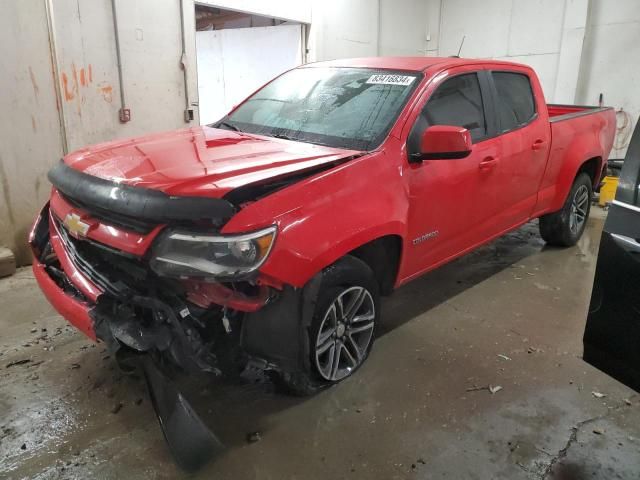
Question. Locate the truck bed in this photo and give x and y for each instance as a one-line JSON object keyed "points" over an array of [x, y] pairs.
{"points": [[578, 134], [558, 112]]}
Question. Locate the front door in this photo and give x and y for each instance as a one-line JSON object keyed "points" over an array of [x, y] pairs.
{"points": [[452, 202], [612, 334]]}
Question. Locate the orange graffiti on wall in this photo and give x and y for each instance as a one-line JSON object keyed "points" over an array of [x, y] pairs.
{"points": [[107, 92], [79, 78], [69, 94]]}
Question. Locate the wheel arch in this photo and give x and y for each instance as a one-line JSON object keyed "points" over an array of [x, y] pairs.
{"points": [[553, 197], [382, 255], [593, 168]]}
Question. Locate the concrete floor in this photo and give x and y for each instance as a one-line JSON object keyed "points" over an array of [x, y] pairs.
{"points": [[511, 315]]}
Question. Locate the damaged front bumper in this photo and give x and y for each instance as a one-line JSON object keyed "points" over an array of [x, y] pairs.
{"points": [[113, 296], [74, 311]]}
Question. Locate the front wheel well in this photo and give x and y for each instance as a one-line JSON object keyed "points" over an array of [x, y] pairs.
{"points": [[592, 168], [382, 255]]}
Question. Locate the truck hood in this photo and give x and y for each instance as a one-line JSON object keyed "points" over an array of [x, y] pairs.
{"points": [[201, 161]]}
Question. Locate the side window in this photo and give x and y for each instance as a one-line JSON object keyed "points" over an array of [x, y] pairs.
{"points": [[458, 102], [515, 103]]}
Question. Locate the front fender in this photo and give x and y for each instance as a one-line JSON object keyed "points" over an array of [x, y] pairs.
{"points": [[324, 217]]}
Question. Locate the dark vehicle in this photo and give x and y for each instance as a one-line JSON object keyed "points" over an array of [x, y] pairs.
{"points": [[612, 335]]}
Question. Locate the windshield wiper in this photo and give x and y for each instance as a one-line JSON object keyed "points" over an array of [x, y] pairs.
{"points": [[231, 126], [283, 136]]}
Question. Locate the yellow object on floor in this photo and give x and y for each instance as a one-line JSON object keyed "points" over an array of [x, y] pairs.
{"points": [[608, 190]]}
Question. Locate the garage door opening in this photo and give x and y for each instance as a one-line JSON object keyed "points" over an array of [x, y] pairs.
{"points": [[237, 53]]}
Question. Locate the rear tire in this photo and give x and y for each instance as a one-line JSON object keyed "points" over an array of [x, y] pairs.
{"points": [[341, 334], [565, 227]]}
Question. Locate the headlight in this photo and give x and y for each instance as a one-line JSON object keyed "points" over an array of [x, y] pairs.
{"points": [[183, 254]]}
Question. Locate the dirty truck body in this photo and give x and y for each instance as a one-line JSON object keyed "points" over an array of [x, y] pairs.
{"points": [[270, 236]]}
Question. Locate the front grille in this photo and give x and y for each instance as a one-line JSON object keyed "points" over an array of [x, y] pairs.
{"points": [[115, 272], [112, 218]]}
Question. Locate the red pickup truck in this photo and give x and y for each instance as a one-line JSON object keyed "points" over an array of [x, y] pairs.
{"points": [[270, 236]]}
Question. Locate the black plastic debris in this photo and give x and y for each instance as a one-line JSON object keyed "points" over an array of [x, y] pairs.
{"points": [[191, 443]]}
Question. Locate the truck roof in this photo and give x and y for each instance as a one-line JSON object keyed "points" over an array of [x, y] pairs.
{"points": [[418, 64]]}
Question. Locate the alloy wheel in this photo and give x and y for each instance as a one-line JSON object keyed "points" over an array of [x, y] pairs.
{"points": [[579, 206], [345, 333]]}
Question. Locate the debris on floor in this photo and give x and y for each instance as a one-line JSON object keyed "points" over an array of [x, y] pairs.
{"points": [[490, 388], [18, 362]]}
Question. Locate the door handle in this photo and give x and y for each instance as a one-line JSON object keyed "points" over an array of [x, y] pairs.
{"points": [[538, 144], [488, 163]]}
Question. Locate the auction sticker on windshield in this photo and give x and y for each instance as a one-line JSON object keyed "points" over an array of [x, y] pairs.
{"points": [[385, 79]]}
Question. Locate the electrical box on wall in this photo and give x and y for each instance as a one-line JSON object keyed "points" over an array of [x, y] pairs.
{"points": [[124, 114]]}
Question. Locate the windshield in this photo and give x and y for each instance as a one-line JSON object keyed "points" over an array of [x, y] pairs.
{"points": [[340, 107]]}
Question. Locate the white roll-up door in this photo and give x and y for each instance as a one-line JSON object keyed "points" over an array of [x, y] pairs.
{"points": [[233, 63]]}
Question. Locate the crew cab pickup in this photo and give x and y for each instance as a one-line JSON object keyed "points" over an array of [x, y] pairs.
{"points": [[270, 236]]}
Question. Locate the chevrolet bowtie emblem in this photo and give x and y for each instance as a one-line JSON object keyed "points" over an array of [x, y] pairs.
{"points": [[75, 225]]}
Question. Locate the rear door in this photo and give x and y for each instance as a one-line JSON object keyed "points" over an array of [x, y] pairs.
{"points": [[612, 334], [524, 134]]}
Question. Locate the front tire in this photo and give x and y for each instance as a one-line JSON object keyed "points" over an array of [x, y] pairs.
{"points": [[341, 334], [565, 227]]}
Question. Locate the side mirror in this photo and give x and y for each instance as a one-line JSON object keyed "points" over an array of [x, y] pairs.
{"points": [[444, 142]]}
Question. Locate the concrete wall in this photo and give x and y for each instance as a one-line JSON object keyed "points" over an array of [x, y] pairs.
{"points": [[403, 27], [360, 28], [30, 134], [546, 34], [611, 62], [150, 38], [342, 29], [579, 48], [61, 91]]}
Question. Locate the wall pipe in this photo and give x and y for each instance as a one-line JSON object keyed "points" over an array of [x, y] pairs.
{"points": [[53, 52], [188, 111], [124, 113]]}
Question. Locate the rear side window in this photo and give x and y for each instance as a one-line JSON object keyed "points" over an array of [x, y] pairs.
{"points": [[456, 102], [515, 102]]}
